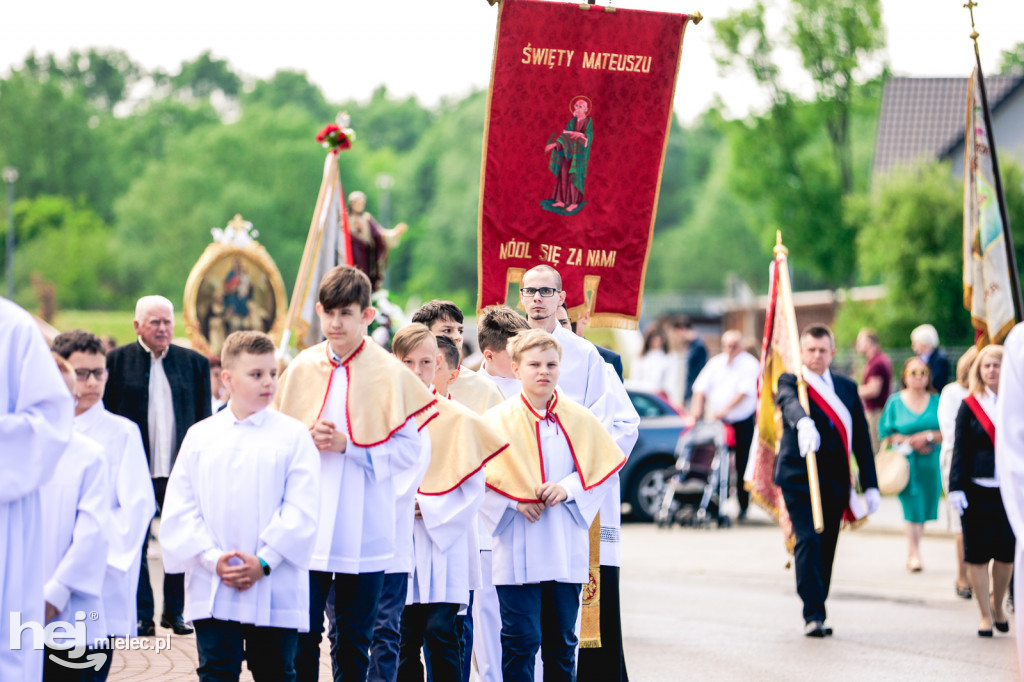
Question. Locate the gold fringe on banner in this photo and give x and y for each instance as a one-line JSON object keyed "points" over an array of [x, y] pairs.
{"points": [[590, 627]]}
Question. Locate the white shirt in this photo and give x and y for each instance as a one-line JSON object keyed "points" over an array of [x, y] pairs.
{"points": [[949, 404], [586, 378], [131, 505], [76, 517], [988, 401], [1010, 433], [249, 485], [35, 429], [407, 482], [508, 387], [358, 493], [160, 417], [722, 380], [652, 372], [557, 546], [447, 562]]}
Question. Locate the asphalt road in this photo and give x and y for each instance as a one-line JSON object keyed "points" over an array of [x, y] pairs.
{"points": [[721, 605]]}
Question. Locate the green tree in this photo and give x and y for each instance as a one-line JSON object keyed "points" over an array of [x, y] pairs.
{"points": [[288, 87], [203, 76], [716, 237], [87, 274], [912, 243], [266, 166], [806, 162], [1011, 62], [438, 188], [388, 122], [50, 134]]}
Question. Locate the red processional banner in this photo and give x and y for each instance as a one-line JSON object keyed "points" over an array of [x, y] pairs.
{"points": [[578, 116]]}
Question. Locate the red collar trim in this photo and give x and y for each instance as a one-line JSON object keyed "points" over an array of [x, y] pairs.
{"points": [[353, 354], [550, 408]]}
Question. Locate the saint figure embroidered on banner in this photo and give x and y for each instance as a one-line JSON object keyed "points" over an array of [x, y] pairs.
{"points": [[570, 156]]}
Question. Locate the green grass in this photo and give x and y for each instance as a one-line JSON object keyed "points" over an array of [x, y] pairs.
{"points": [[116, 323]]}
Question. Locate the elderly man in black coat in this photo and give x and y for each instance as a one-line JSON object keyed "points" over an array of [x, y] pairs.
{"points": [[165, 389]]}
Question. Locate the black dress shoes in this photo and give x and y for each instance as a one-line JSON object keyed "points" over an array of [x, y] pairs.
{"points": [[175, 624], [146, 628], [816, 628]]}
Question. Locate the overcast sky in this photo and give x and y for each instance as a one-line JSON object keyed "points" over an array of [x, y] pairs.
{"points": [[430, 50]]}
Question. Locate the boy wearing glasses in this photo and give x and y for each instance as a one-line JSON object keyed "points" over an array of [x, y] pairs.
{"points": [[131, 501]]}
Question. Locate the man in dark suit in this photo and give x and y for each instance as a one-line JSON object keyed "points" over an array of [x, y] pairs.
{"points": [[925, 342], [165, 389], [835, 429]]}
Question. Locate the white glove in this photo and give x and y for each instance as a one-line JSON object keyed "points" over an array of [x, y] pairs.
{"points": [[958, 499], [807, 436], [872, 498]]}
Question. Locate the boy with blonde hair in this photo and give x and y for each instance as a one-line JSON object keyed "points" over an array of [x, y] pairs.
{"points": [[543, 493], [240, 519], [445, 551]]}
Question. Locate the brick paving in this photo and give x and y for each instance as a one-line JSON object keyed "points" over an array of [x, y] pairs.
{"points": [[180, 660]]}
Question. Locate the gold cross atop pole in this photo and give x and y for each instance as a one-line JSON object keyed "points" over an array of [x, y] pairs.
{"points": [[969, 6]]}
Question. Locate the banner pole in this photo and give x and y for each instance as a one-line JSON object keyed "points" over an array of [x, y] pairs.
{"points": [[309, 250], [786, 292], [1011, 257]]}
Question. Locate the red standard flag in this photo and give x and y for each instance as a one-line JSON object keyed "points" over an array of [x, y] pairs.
{"points": [[988, 291], [577, 123], [777, 358]]}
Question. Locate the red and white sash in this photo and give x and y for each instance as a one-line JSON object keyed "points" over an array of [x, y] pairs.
{"points": [[982, 416], [824, 396]]}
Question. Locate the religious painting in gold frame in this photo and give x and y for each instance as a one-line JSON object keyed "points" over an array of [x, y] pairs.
{"points": [[235, 285]]}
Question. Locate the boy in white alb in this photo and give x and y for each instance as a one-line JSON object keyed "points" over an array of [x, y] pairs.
{"points": [[446, 552], [359, 403], [495, 326], [35, 427], [472, 389], [131, 501], [543, 493], [74, 558], [240, 519]]}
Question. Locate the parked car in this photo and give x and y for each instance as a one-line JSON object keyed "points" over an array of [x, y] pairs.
{"points": [[650, 464]]}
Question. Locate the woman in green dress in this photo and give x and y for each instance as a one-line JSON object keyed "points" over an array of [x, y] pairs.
{"points": [[911, 419]]}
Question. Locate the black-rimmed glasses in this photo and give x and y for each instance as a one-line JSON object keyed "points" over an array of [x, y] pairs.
{"points": [[545, 292]]}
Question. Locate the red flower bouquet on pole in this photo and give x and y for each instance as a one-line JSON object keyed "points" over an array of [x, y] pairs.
{"points": [[335, 138]]}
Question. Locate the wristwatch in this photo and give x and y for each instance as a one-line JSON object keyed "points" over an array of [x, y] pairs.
{"points": [[930, 437], [265, 565]]}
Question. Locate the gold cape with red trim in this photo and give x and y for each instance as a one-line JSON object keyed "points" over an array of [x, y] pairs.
{"points": [[382, 393], [475, 391], [461, 442], [517, 472]]}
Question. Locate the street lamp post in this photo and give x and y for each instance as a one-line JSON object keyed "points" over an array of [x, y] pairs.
{"points": [[10, 177]]}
